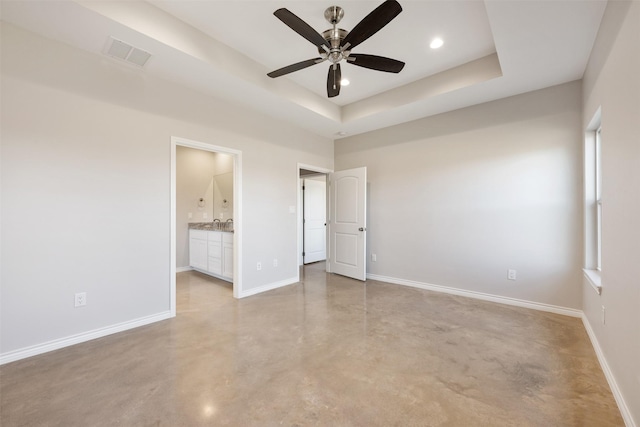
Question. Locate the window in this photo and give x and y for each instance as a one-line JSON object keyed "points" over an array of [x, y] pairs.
{"points": [[593, 203], [598, 198]]}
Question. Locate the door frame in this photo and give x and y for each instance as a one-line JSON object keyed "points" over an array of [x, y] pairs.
{"points": [[300, 213], [237, 212]]}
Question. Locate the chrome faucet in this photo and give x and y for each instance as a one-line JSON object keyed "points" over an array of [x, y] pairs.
{"points": [[216, 220], [230, 220]]}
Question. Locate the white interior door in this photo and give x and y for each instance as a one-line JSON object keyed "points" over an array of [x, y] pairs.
{"points": [[314, 220], [348, 222]]}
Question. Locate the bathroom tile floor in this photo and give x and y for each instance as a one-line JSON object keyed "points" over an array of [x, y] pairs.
{"points": [[328, 351]]}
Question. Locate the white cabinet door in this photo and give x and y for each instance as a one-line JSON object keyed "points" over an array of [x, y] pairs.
{"points": [[215, 252], [212, 252], [214, 264], [227, 260], [198, 249], [227, 257]]}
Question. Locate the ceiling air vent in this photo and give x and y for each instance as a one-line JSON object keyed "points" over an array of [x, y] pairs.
{"points": [[124, 51]]}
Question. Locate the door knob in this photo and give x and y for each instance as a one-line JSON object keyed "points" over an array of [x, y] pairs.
{"points": [[360, 229]]}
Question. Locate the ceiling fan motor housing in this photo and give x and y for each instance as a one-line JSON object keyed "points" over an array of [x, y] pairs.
{"points": [[335, 36]]}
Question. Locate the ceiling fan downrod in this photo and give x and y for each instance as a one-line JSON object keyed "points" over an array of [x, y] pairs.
{"points": [[334, 35]]}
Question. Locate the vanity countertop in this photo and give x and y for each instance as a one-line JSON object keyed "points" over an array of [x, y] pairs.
{"points": [[212, 226]]}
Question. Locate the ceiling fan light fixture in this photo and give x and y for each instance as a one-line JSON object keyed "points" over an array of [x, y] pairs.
{"points": [[436, 43]]}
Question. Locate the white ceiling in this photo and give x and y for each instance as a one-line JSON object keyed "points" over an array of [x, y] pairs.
{"points": [[464, 24], [492, 49]]}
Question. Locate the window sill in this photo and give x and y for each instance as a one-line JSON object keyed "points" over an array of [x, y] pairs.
{"points": [[593, 276]]}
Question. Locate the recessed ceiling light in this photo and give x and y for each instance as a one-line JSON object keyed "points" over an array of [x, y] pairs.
{"points": [[344, 82], [436, 43], [341, 133]]}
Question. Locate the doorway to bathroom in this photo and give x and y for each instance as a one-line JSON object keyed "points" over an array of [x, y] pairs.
{"points": [[206, 201]]}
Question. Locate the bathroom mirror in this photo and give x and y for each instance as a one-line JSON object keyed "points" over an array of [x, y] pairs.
{"points": [[223, 196]]}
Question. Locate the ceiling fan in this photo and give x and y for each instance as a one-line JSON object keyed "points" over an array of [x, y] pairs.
{"points": [[335, 44]]}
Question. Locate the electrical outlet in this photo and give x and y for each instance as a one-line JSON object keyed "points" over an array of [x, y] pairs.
{"points": [[205, 215], [275, 262], [259, 266], [374, 257], [603, 318], [80, 299], [190, 215], [511, 274]]}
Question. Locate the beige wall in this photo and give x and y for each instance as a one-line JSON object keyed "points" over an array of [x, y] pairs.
{"points": [[612, 83], [458, 199], [86, 179]]}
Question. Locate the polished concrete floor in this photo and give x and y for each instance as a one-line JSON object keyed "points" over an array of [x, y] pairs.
{"points": [[328, 352]]}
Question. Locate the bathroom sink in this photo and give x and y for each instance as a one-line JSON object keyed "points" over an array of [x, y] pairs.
{"points": [[221, 226]]}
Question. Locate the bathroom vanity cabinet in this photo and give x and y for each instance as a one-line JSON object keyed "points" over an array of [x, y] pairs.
{"points": [[211, 252]]}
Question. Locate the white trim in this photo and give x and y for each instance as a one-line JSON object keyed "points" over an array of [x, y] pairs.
{"points": [[34, 350], [237, 211], [270, 287], [594, 279], [617, 394], [172, 228], [183, 269], [479, 295]]}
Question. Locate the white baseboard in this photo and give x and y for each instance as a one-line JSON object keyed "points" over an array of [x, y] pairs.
{"points": [[34, 350], [183, 269], [617, 394], [269, 287], [479, 295]]}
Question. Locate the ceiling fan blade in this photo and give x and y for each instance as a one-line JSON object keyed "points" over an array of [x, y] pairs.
{"points": [[372, 23], [373, 62], [295, 67], [333, 80], [301, 27]]}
